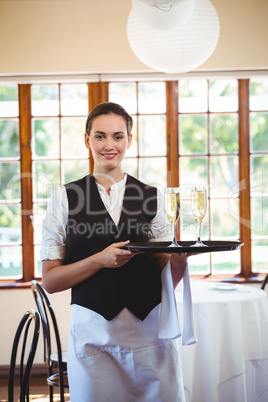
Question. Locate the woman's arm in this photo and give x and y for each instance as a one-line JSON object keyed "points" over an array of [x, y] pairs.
{"points": [[177, 264], [57, 277]]}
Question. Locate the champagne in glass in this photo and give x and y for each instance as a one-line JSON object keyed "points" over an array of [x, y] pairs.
{"points": [[172, 205], [199, 208]]}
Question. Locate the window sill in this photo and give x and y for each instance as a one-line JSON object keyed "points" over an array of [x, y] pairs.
{"points": [[18, 284], [239, 279]]}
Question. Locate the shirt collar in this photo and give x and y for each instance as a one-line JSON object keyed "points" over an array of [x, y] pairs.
{"points": [[115, 187]]}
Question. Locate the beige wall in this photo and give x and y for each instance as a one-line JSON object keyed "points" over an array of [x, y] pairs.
{"points": [[13, 304], [90, 36]]}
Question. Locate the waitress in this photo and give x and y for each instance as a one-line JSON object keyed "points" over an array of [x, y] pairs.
{"points": [[115, 352]]}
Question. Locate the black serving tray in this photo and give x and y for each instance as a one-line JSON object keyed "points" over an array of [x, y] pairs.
{"points": [[162, 247]]}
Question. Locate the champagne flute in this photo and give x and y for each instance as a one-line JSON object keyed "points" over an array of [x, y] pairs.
{"points": [[172, 205], [199, 208]]}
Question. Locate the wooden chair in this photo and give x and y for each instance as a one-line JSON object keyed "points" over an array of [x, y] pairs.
{"points": [[31, 316], [56, 362], [264, 282]]}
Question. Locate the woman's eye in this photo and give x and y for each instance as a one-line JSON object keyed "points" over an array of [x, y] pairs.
{"points": [[118, 137], [99, 137]]}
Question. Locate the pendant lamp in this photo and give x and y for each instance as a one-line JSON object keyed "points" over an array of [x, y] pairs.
{"points": [[161, 3], [166, 15], [178, 50]]}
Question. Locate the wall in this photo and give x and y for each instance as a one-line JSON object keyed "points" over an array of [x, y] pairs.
{"points": [[14, 303], [90, 36]]}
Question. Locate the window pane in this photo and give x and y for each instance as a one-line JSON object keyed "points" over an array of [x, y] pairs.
{"points": [[74, 170], [224, 175], [10, 262], [73, 143], [259, 132], [193, 134], [152, 97], [258, 99], [153, 171], [225, 218], [47, 178], [37, 262], [39, 214], [10, 223], [186, 221], [130, 166], [224, 133], [193, 96], [223, 96], [9, 138], [199, 264], [45, 100], [188, 226], [259, 255], [10, 181], [259, 217], [74, 99], [259, 174], [46, 137], [193, 172], [9, 106], [226, 262], [152, 135], [125, 95]]}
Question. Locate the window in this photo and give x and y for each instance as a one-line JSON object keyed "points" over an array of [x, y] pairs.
{"points": [[186, 132], [146, 102], [258, 104], [58, 152], [208, 156], [10, 191], [208, 134]]}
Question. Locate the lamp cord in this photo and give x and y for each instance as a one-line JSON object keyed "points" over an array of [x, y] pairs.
{"points": [[164, 7]]}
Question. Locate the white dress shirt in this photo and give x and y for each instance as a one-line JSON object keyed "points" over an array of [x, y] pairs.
{"points": [[54, 225]]}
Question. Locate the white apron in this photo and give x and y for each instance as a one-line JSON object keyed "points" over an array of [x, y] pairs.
{"points": [[122, 360]]}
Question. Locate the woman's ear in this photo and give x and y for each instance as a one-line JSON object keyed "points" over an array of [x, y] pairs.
{"points": [[129, 141], [87, 142]]}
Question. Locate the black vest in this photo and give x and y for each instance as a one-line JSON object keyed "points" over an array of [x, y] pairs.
{"points": [[90, 229]]}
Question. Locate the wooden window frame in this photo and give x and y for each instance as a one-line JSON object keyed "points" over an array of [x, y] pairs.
{"points": [[246, 274], [98, 92]]}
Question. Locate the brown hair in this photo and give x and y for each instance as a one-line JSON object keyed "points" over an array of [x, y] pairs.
{"points": [[109, 108]]}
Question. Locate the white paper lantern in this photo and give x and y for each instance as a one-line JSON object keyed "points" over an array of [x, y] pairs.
{"points": [[161, 3], [181, 49], [164, 17]]}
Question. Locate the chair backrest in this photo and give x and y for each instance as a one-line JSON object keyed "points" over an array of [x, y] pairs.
{"points": [[264, 282], [45, 309], [31, 316]]}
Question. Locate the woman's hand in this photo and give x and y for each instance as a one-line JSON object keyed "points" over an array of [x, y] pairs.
{"points": [[114, 256], [57, 277]]}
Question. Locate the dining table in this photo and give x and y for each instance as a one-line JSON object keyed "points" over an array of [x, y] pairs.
{"points": [[229, 361]]}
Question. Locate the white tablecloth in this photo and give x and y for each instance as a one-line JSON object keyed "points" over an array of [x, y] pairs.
{"points": [[229, 362]]}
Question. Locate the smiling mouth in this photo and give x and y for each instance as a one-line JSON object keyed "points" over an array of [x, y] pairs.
{"points": [[109, 156]]}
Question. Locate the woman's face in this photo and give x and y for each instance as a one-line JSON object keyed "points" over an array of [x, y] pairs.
{"points": [[108, 140]]}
